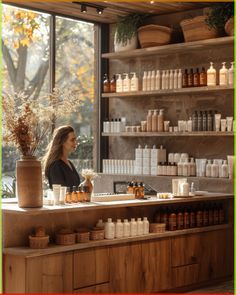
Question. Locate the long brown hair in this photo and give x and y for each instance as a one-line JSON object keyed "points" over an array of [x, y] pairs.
{"points": [[55, 147]]}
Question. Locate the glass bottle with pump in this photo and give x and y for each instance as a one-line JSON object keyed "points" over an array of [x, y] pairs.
{"points": [[190, 78], [185, 79], [203, 77], [113, 84], [196, 78]]}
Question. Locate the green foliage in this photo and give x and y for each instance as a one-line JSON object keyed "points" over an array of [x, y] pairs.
{"points": [[219, 14], [127, 26]]}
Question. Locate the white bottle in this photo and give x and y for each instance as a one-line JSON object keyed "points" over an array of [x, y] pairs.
{"points": [[208, 168], [186, 168], [149, 80], [167, 79], [225, 170], [109, 229], [163, 80], [184, 189], [190, 125], [158, 81], [214, 169], [153, 78], [140, 227], [100, 224], [180, 79], [126, 83], [180, 167], [223, 75], [171, 80], [134, 83], [119, 229], [211, 76], [231, 75], [126, 225], [144, 86], [145, 226], [119, 84], [175, 79], [133, 227]]}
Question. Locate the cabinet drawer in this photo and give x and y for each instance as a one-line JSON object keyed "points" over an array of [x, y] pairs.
{"points": [[99, 289], [185, 250], [90, 267], [185, 275]]}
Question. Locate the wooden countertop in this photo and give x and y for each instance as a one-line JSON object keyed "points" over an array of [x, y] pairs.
{"points": [[53, 249], [14, 209]]}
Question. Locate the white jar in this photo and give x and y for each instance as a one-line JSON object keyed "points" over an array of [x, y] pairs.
{"points": [[145, 226], [126, 225], [119, 229], [184, 189], [140, 227], [100, 223], [133, 227], [109, 229]]}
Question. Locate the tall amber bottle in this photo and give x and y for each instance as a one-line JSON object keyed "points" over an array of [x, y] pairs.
{"points": [[185, 79], [113, 84], [68, 195], [190, 78], [203, 77], [196, 78], [106, 84]]}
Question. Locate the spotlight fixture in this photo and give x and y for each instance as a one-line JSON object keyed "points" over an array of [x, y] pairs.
{"points": [[99, 11], [83, 8], [152, 2]]}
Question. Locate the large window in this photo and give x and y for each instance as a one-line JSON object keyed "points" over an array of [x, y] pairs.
{"points": [[27, 57]]}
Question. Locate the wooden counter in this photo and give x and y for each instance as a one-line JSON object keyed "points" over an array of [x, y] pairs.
{"points": [[157, 262]]}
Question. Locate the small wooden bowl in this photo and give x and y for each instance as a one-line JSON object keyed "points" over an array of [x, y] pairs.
{"points": [[97, 234], [157, 227], [38, 242], [82, 236], [65, 239]]}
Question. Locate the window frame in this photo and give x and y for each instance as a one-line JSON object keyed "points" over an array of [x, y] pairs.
{"points": [[101, 45]]}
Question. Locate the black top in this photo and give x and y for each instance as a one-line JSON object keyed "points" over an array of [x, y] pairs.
{"points": [[61, 173]]}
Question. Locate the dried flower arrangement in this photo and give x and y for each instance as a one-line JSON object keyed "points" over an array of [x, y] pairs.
{"points": [[26, 121], [89, 174]]}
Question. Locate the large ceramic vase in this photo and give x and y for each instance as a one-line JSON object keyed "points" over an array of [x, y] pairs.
{"points": [[29, 182]]}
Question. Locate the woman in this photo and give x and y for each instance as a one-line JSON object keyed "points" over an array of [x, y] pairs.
{"points": [[58, 169]]}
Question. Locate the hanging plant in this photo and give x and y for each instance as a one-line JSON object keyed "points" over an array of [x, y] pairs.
{"points": [[127, 26]]}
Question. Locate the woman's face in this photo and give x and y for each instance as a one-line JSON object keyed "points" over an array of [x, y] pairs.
{"points": [[70, 144]]}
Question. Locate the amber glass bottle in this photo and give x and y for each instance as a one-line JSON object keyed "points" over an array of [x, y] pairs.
{"points": [[192, 218], [141, 190], [180, 219], [185, 79], [113, 84], [106, 84], [196, 78], [190, 78], [199, 217], [74, 195], [203, 78], [68, 195], [186, 218], [130, 188], [172, 221]]}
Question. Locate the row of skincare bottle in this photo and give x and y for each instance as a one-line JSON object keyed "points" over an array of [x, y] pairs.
{"points": [[155, 121], [213, 169], [226, 76], [111, 166], [114, 126], [127, 84], [126, 229]]}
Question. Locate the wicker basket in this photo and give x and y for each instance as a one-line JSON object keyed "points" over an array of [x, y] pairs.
{"points": [[195, 29], [82, 236], [154, 35], [65, 239], [38, 242], [157, 227], [97, 234]]}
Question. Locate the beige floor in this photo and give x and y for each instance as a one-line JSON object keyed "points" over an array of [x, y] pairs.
{"points": [[225, 287]]}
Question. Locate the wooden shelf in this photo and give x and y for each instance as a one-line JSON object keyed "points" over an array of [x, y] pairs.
{"points": [[171, 48], [171, 134], [53, 249], [191, 90]]}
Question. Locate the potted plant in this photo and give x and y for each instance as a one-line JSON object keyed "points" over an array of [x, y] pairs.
{"points": [[126, 31], [221, 16]]}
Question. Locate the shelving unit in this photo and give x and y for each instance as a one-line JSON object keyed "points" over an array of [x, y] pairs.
{"points": [[168, 92], [170, 134], [171, 48]]}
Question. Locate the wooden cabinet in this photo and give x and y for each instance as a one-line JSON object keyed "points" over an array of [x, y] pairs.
{"points": [[125, 268], [90, 267], [156, 271]]}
